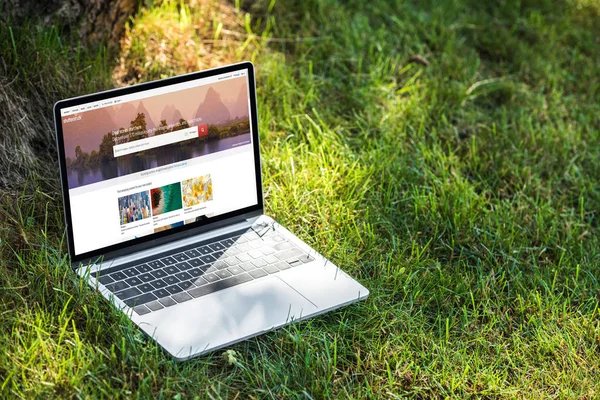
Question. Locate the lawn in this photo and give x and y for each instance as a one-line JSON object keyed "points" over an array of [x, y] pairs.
{"points": [[444, 153]]}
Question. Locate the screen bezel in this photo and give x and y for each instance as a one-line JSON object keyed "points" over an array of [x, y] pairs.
{"points": [[174, 233]]}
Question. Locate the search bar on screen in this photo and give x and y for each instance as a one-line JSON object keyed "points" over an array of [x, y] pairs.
{"points": [[160, 140]]}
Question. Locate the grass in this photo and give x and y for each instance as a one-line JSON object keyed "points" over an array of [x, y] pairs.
{"points": [[461, 187]]}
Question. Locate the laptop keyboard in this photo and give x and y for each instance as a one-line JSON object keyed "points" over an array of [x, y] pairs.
{"points": [[171, 278]]}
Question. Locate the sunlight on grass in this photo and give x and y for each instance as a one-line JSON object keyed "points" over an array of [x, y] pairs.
{"points": [[175, 38]]}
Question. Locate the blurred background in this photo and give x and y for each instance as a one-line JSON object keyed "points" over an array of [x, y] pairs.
{"points": [[445, 153]]}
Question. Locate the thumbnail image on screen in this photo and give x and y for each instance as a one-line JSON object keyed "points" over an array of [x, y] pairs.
{"points": [[166, 198], [197, 190], [134, 207]]}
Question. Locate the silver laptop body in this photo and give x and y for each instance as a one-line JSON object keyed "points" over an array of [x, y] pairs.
{"points": [[164, 210]]}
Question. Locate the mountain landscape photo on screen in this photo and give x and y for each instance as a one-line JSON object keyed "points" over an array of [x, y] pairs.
{"points": [[222, 107]]}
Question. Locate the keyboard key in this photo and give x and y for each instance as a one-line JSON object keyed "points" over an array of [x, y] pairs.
{"points": [[281, 265], [143, 268], [243, 248], [180, 257], [270, 241], [255, 244], [257, 273], [167, 302], [131, 272], [223, 274], [136, 301], [259, 262], [196, 262], [208, 259], [255, 254], [220, 265], [155, 264], [174, 289], [193, 253], [127, 293], [117, 286], [145, 287], [185, 285], [283, 246], [270, 259], [244, 257], [267, 250], [199, 281], [277, 238], [183, 266], [171, 280], [216, 246], [134, 281], [161, 293], [155, 305], [294, 262], [195, 272], [159, 273], [118, 276], [217, 254], [181, 297], [146, 277], [211, 269], [211, 277], [168, 260], [248, 266], [159, 283], [297, 252], [306, 258], [227, 242], [204, 250], [141, 310], [105, 280], [271, 269], [284, 255], [235, 270], [220, 285], [232, 251], [231, 261], [171, 270], [182, 276], [250, 236]]}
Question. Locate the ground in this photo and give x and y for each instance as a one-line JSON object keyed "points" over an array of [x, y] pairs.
{"points": [[446, 154]]}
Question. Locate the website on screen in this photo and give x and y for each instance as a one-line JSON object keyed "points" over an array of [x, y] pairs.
{"points": [[155, 160]]}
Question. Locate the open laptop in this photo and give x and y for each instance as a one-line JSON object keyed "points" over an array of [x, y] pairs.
{"points": [[164, 212]]}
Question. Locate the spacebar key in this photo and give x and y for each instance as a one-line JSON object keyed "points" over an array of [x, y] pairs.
{"points": [[220, 285], [136, 301]]}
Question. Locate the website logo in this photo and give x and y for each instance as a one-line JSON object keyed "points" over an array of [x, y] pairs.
{"points": [[71, 119]]}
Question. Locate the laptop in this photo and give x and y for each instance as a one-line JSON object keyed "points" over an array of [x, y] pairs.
{"points": [[164, 214]]}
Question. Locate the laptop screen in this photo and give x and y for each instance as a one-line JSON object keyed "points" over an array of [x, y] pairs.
{"points": [[155, 160]]}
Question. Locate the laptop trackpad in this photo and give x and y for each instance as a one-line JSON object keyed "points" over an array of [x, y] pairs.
{"points": [[223, 317]]}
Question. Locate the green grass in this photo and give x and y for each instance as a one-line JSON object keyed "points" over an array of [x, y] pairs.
{"points": [[464, 194]]}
